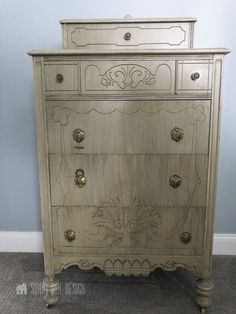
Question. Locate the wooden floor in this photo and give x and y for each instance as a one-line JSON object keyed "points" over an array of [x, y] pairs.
{"points": [[94, 293]]}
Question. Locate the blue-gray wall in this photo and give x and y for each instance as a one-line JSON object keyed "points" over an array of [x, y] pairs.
{"points": [[30, 24]]}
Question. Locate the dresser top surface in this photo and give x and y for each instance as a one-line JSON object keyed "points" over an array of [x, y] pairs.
{"points": [[77, 52], [128, 20]]}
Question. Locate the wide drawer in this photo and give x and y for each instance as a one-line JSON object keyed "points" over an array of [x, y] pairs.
{"points": [[92, 180], [128, 127], [175, 34], [126, 226]]}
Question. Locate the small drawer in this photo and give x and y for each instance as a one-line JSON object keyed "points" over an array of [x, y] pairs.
{"points": [[61, 78], [194, 77]]}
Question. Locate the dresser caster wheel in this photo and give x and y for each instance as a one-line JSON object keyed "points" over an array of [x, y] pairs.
{"points": [[51, 292], [204, 291], [49, 306]]}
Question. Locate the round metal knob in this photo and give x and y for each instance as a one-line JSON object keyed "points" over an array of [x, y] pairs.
{"points": [[185, 237], [80, 178], [127, 36], [177, 134], [59, 78], [195, 76], [78, 135], [175, 181], [70, 235]]}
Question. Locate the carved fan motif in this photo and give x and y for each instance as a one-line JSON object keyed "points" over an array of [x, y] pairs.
{"points": [[124, 219]]}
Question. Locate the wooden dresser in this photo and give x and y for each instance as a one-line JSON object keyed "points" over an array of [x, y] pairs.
{"points": [[128, 129]]}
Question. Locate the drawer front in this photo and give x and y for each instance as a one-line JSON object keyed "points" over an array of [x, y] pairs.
{"points": [[125, 226], [91, 180], [140, 36], [135, 127], [61, 77], [128, 77], [194, 76]]}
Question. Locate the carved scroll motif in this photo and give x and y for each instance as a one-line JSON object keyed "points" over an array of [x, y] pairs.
{"points": [[127, 76]]}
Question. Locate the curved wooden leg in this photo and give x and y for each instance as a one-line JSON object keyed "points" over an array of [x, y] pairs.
{"points": [[204, 291], [51, 291]]}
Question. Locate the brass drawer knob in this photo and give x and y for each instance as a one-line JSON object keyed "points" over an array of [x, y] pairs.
{"points": [[70, 235], [78, 135], [195, 76], [59, 78], [177, 134], [185, 237], [175, 181], [127, 36], [80, 178]]}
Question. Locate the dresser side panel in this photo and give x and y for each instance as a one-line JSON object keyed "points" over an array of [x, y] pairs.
{"points": [[213, 159], [43, 166]]}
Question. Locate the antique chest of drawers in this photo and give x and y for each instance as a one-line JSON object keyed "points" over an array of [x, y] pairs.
{"points": [[128, 128]]}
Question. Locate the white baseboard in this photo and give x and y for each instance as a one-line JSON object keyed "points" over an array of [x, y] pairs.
{"points": [[13, 241], [224, 244]]}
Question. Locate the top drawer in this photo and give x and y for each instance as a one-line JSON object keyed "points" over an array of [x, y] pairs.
{"points": [[163, 33], [109, 75]]}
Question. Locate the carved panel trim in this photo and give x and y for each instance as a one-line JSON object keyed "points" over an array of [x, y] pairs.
{"points": [[129, 77], [61, 115], [111, 36], [125, 266]]}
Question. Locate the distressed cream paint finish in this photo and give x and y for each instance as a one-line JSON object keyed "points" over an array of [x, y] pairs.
{"points": [[128, 128]]}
